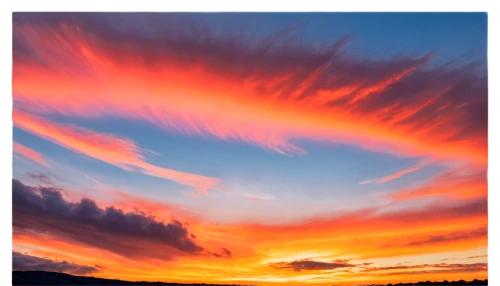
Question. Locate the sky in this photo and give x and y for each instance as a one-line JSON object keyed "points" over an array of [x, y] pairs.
{"points": [[257, 148]]}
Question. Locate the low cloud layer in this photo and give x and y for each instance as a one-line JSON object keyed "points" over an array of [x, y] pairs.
{"points": [[427, 269], [452, 237], [27, 262], [345, 266], [307, 264]]}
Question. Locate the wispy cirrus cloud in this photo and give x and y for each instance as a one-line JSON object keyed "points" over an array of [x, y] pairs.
{"points": [[272, 90], [458, 183], [109, 148], [378, 220], [29, 153], [485, 256], [44, 178], [452, 237], [437, 267], [398, 174], [429, 269]]}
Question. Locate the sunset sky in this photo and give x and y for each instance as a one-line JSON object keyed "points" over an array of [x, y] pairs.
{"points": [[299, 148]]}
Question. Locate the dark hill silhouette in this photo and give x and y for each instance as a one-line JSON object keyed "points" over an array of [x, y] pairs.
{"points": [[475, 282], [55, 278]]}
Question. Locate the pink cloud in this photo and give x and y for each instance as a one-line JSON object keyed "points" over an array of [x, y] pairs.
{"points": [[108, 148], [29, 154]]}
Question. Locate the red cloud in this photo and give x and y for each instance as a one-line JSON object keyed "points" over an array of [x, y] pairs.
{"points": [[267, 93]]}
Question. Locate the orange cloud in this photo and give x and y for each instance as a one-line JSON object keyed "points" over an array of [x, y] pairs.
{"points": [[109, 148], [269, 98], [361, 236], [459, 183], [271, 94], [30, 154], [437, 216]]}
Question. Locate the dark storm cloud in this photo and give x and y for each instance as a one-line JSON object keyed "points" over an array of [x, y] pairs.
{"points": [[25, 262], [44, 210]]}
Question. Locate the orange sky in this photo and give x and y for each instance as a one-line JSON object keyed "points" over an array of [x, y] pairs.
{"points": [[426, 220]]}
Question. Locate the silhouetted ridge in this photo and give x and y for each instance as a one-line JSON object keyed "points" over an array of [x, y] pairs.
{"points": [[475, 282], [55, 278]]}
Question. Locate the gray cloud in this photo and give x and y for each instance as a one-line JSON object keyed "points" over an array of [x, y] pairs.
{"points": [[44, 210], [223, 253], [41, 177], [27, 262], [343, 265], [307, 264]]}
